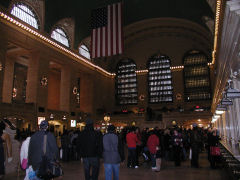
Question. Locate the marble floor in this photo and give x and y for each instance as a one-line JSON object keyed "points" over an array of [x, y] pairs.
{"points": [[74, 171]]}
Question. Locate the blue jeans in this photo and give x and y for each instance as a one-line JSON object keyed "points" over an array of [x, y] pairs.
{"points": [[111, 169], [153, 158], [88, 163]]}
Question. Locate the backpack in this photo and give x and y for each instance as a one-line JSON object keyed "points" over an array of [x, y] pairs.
{"points": [[48, 169]]}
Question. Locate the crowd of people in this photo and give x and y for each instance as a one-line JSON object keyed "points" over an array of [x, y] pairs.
{"points": [[141, 147]]}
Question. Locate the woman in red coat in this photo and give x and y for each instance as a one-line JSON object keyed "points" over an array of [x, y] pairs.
{"points": [[152, 144]]}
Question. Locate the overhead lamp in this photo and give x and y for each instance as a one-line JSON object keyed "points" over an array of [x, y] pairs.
{"points": [[226, 101], [233, 93], [221, 107], [51, 117], [216, 116], [213, 120], [64, 118], [218, 112]]}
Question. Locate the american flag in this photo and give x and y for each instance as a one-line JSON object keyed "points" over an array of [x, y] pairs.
{"points": [[107, 38]]}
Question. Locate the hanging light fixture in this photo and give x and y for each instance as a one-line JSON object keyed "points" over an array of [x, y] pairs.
{"points": [[226, 101], [231, 92], [221, 107]]}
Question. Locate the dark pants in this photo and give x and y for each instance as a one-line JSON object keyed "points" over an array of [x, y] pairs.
{"points": [[2, 169], [131, 157], [138, 152], [195, 152], [177, 155], [88, 163]]}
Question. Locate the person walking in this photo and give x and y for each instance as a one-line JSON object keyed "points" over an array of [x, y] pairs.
{"points": [[214, 143], [2, 167], [89, 146], [177, 147], [132, 140], [24, 156], [36, 149], [195, 140], [153, 146], [113, 154]]}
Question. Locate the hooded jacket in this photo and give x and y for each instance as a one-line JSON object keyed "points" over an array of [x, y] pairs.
{"points": [[35, 151]]}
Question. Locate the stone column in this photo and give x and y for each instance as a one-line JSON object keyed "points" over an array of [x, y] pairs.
{"points": [[86, 93], [65, 89], [35, 92], [8, 80], [236, 84], [3, 49]]}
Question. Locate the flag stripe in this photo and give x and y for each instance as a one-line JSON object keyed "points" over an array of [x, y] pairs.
{"points": [[117, 40], [109, 31], [122, 29], [107, 35], [103, 41], [98, 41], [119, 29], [93, 43], [111, 21], [114, 29]]}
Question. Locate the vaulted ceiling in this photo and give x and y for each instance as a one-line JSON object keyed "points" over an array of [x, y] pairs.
{"points": [[133, 11]]}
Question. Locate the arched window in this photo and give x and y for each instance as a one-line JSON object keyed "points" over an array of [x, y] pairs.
{"points": [[126, 83], [160, 87], [59, 35], [26, 14], [83, 50], [196, 77]]}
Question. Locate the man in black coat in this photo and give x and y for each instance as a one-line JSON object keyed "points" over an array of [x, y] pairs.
{"points": [[35, 151], [195, 140], [89, 146]]}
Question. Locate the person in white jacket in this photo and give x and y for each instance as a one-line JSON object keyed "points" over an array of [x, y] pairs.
{"points": [[24, 156]]}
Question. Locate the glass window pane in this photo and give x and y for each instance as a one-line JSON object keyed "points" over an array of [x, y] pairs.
{"points": [[60, 36], [160, 79], [24, 13], [126, 83], [83, 50], [196, 77]]}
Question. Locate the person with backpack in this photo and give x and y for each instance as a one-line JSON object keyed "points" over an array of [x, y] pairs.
{"points": [[43, 152]]}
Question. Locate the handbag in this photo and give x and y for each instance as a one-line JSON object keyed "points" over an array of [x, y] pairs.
{"points": [[48, 169], [215, 151], [24, 164], [190, 154]]}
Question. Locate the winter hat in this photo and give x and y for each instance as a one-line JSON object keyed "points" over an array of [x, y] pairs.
{"points": [[111, 128], [44, 125], [89, 121]]}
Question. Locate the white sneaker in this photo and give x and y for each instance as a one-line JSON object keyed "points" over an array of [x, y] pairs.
{"points": [[154, 168], [136, 167]]}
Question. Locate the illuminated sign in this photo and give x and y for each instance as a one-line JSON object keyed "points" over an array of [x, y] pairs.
{"points": [[40, 119], [73, 123]]}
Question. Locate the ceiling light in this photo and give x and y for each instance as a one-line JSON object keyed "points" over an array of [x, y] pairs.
{"points": [[233, 93], [219, 112], [221, 107], [226, 101]]}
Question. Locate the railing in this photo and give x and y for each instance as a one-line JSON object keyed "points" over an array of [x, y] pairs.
{"points": [[230, 163]]}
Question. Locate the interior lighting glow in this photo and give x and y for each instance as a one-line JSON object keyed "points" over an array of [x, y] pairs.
{"points": [[219, 112]]}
